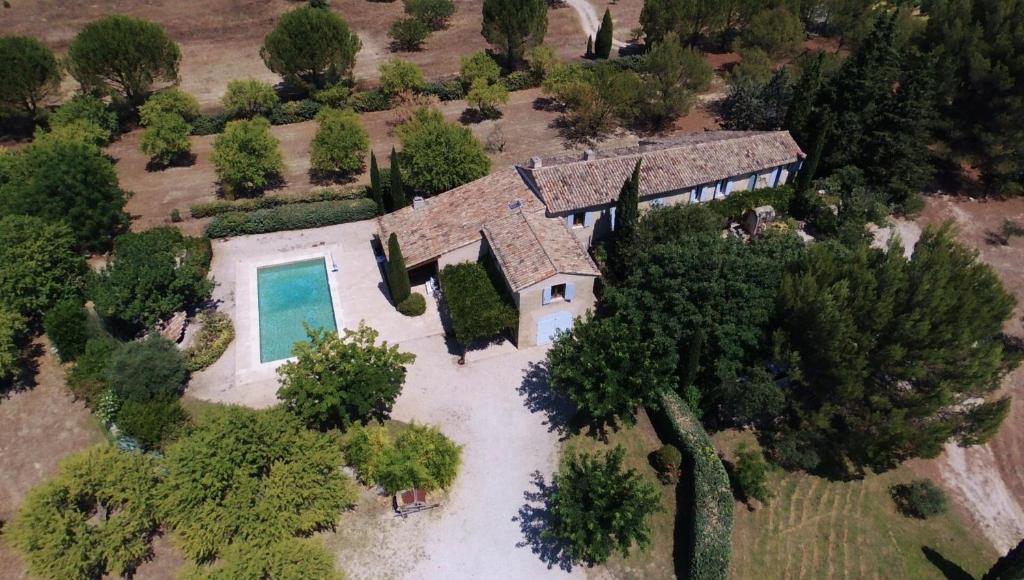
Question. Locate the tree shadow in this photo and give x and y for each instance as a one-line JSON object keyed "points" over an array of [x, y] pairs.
{"points": [[181, 160], [949, 569], [24, 378], [548, 105], [539, 398], [534, 518], [328, 178]]}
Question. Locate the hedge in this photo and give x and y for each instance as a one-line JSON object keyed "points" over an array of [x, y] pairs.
{"points": [[298, 216], [222, 206], [478, 307], [213, 339], [704, 530]]}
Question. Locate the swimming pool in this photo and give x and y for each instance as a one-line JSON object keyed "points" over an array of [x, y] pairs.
{"points": [[290, 295]]}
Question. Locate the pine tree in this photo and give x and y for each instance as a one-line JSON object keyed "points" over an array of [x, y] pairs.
{"points": [[627, 221], [375, 192], [397, 192], [603, 45], [590, 48], [398, 275]]}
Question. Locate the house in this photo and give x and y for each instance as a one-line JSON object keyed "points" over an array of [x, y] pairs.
{"points": [[538, 219]]}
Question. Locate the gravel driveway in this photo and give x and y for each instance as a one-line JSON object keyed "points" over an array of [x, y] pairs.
{"points": [[476, 533]]}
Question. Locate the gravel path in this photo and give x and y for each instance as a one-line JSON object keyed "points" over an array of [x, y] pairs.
{"points": [[590, 20]]}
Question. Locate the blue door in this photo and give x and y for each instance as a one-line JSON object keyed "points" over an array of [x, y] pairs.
{"points": [[551, 324]]}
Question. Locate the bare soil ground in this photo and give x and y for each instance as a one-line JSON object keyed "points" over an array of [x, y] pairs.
{"points": [[989, 479], [38, 427]]}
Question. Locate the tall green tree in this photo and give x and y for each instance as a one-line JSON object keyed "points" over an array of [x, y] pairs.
{"points": [[66, 181], [661, 19], [375, 185], [123, 55], [438, 155], [603, 44], [805, 98], [337, 381], [396, 193], [340, 144], [627, 221], [776, 31], [39, 265], [514, 26], [671, 77], [1008, 567], [599, 507], [30, 74], [398, 274], [311, 48]]}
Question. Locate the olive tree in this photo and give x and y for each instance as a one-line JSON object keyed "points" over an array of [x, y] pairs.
{"points": [[340, 144], [438, 155], [247, 98], [247, 156], [311, 48], [123, 55], [398, 76], [171, 100], [166, 138], [29, 75]]}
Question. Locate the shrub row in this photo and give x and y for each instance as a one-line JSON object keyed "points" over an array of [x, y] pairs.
{"points": [[736, 204], [296, 216], [222, 206], [213, 339], [706, 528]]}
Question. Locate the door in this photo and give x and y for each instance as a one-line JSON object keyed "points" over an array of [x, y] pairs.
{"points": [[551, 324]]}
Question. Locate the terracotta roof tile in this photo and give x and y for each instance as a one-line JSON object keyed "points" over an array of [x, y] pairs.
{"points": [[530, 248], [567, 184]]}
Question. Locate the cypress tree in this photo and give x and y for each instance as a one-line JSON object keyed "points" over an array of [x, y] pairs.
{"points": [[603, 46], [627, 221], [375, 192], [397, 193], [805, 97], [1009, 567], [590, 48], [398, 275]]}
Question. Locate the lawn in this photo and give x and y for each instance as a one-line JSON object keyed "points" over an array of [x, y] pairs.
{"points": [[816, 528], [639, 441]]}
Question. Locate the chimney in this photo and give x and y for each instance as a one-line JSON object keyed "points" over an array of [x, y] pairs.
{"points": [[589, 154], [536, 163], [418, 203]]}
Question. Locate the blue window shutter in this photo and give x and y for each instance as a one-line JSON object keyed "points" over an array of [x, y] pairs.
{"points": [[570, 291], [547, 296], [613, 218], [775, 178], [728, 187], [568, 223], [753, 182], [588, 218]]}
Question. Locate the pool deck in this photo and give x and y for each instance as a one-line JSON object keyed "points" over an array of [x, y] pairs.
{"points": [[358, 293]]}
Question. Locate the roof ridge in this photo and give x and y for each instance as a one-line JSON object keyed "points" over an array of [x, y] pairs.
{"points": [[670, 147]]}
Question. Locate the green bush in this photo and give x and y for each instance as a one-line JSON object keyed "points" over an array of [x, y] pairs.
{"points": [[414, 305], [311, 48], [87, 379], [30, 76], [175, 215], [215, 334], [340, 143], [210, 124], [243, 475], [222, 206], [166, 138], [67, 326], [297, 216], [408, 33], [78, 130], [398, 76], [920, 498], [247, 156], [292, 558], [94, 518], [371, 101], [519, 80], [734, 206], [294, 112], [248, 98], [479, 65], [39, 265], [89, 109], [151, 423], [172, 100], [478, 308], [752, 474], [421, 456], [12, 333], [452, 90], [438, 155], [704, 532], [363, 447], [146, 370], [336, 96], [667, 461], [433, 13]]}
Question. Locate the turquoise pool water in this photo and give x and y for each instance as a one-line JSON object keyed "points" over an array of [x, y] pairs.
{"points": [[290, 295]]}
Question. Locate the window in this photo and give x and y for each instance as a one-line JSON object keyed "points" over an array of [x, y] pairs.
{"points": [[558, 292], [578, 220]]}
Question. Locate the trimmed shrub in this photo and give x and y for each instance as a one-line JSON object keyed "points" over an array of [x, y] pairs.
{"points": [[478, 308], [752, 474], [336, 96], [408, 34], [247, 98], [371, 101], [95, 518], [667, 460], [151, 423], [89, 109], [704, 532], [294, 112], [519, 80], [222, 206], [171, 100], [340, 143], [297, 216], [247, 156], [87, 379], [214, 337], [398, 76], [433, 13], [67, 326], [414, 305], [210, 124], [446, 90], [920, 498], [166, 138], [146, 370], [479, 65]]}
